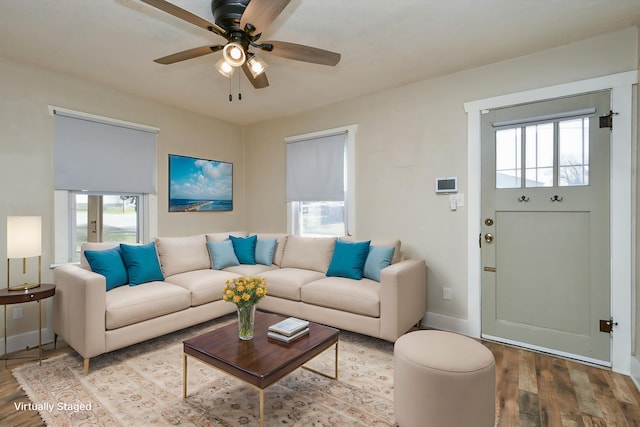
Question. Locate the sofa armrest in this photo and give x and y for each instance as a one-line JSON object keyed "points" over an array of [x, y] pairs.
{"points": [[403, 297], [79, 307]]}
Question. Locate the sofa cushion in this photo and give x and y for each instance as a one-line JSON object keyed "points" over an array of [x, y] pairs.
{"points": [[94, 246], [265, 248], [286, 282], [205, 285], [308, 253], [348, 259], [250, 269], [222, 254], [395, 243], [126, 305], [354, 296], [219, 237], [245, 248], [180, 254], [379, 257], [109, 263], [280, 245], [142, 263]]}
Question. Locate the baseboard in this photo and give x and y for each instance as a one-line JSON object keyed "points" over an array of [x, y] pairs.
{"points": [[27, 340], [446, 323], [635, 371]]}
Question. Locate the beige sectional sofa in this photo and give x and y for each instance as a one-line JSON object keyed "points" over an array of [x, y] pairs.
{"points": [[94, 320]]}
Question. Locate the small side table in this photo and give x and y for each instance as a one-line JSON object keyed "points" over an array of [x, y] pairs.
{"points": [[7, 297]]}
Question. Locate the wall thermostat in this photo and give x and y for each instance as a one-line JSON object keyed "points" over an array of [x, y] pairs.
{"points": [[447, 185]]}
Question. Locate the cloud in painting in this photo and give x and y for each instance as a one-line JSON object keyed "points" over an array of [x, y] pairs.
{"points": [[198, 179]]}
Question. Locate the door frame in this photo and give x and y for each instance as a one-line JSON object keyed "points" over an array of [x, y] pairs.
{"points": [[622, 203]]}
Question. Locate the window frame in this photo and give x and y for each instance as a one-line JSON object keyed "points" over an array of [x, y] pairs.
{"points": [[148, 202], [350, 166]]}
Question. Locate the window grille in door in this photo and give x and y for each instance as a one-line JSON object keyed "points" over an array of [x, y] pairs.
{"points": [[551, 154]]}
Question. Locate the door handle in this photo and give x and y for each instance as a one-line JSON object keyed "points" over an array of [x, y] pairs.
{"points": [[488, 237]]}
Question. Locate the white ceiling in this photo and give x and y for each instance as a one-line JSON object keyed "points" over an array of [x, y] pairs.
{"points": [[384, 44]]}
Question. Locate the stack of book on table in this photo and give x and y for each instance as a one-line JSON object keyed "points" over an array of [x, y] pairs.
{"points": [[289, 329]]}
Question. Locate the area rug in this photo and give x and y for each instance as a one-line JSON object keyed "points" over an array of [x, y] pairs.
{"points": [[142, 385]]}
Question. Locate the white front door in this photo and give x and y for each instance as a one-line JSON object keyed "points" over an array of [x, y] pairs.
{"points": [[545, 226]]}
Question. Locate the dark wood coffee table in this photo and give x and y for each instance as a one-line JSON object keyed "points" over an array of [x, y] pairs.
{"points": [[261, 361]]}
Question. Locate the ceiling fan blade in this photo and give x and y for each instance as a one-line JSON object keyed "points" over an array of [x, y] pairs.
{"points": [[303, 53], [188, 54], [261, 13], [259, 82], [185, 15]]}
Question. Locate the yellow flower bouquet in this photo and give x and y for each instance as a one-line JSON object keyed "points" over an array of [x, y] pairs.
{"points": [[245, 292]]}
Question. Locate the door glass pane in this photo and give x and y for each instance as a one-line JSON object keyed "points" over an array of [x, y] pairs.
{"points": [[539, 155], [573, 149], [509, 158]]}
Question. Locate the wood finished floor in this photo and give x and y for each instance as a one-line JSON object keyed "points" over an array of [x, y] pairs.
{"points": [[533, 389]]}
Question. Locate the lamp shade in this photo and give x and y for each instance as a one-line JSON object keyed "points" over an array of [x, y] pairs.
{"points": [[256, 65], [224, 68], [233, 53], [24, 236]]}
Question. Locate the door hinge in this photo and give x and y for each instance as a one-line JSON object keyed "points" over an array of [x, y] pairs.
{"points": [[607, 121], [607, 325]]}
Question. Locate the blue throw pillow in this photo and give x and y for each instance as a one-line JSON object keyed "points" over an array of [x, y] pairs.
{"points": [[265, 250], [245, 248], [142, 263], [379, 257], [348, 259], [109, 263], [222, 254]]}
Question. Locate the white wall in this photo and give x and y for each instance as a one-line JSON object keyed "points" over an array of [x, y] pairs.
{"points": [[409, 136]]}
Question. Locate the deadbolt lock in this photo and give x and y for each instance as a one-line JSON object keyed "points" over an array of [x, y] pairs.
{"points": [[488, 237], [488, 222]]}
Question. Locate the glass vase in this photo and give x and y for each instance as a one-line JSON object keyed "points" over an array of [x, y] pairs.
{"points": [[246, 317]]}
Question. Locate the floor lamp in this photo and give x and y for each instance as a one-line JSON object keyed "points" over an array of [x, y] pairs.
{"points": [[24, 240]]}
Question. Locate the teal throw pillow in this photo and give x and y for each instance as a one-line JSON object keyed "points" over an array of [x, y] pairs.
{"points": [[245, 248], [109, 263], [379, 257], [222, 254], [348, 259], [142, 263], [265, 250]]}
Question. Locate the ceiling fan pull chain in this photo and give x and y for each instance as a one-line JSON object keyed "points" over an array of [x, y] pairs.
{"points": [[230, 96], [239, 88]]}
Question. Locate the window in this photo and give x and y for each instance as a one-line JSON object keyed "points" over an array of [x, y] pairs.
{"points": [[546, 154], [105, 181], [319, 184]]}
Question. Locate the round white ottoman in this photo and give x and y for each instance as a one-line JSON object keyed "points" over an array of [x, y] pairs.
{"points": [[442, 379]]}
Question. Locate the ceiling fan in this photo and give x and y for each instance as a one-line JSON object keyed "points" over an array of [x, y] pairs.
{"points": [[241, 23]]}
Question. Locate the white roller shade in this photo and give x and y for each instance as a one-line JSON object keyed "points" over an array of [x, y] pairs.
{"points": [[103, 157], [315, 169]]}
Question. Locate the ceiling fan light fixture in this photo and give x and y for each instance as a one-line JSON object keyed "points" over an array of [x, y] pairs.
{"points": [[224, 68], [256, 65], [234, 54]]}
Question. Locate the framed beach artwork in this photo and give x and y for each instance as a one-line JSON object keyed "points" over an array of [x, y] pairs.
{"points": [[199, 185]]}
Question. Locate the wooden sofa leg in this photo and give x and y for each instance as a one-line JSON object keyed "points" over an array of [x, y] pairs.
{"points": [[86, 366], [55, 341]]}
